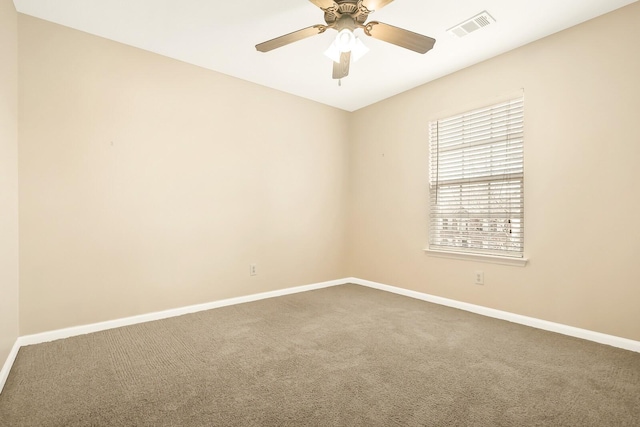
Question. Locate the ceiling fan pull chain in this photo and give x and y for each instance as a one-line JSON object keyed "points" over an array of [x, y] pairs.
{"points": [[339, 82]]}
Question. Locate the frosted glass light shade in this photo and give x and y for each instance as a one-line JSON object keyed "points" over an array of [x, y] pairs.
{"points": [[345, 40], [333, 52], [359, 50], [355, 46]]}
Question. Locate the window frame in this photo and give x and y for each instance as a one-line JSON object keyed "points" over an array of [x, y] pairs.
{"points": [[494, 137]]}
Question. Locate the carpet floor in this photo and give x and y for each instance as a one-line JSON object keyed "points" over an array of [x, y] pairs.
{"points": [[340, 356]]}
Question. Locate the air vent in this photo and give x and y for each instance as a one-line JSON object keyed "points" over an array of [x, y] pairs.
{"points": [[481, 20]]}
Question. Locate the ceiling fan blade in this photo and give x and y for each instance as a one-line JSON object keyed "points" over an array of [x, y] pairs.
{"points": [[322, 4], [375, 4], [290, 38], [400, 37], [341, 70]]}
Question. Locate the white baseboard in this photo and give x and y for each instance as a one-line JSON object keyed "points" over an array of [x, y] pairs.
{"points": [[6, 368], [559, 328], [111, 324], [117, 323], [611, 340]]}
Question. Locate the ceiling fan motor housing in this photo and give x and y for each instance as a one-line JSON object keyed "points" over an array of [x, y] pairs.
{"points": [[347, 11]]}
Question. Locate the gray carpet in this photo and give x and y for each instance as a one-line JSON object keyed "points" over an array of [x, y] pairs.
{"points": [[342, 356]]}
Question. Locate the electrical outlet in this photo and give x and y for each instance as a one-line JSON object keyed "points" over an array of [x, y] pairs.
{"points": [[479, 278], [253, 270]]}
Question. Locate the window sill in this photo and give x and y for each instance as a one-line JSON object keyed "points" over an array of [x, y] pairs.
{"points": [[518, 262]]}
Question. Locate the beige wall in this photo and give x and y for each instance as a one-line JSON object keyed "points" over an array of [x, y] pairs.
{"points": [[148, 184], [8, 178], [582, 157]]}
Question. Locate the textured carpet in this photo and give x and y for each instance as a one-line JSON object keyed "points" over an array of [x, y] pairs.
{"points": [[341, 356]]}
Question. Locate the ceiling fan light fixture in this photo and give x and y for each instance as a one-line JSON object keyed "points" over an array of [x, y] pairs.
{"points": [[334, 53], [345, 40]]}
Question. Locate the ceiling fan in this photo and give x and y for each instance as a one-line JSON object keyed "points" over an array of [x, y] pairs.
{"points": [[345, 16]]}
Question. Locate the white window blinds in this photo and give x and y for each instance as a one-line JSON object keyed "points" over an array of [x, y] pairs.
{"points": [[476, 177]]}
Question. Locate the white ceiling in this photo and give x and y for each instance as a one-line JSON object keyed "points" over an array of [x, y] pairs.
{"points": [[221, 35]]}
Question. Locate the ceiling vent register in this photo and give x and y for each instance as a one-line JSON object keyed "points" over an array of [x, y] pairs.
{"points": [[481, 20]]}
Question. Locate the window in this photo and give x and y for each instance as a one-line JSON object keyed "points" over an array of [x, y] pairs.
{"points": [[476, 181]]}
